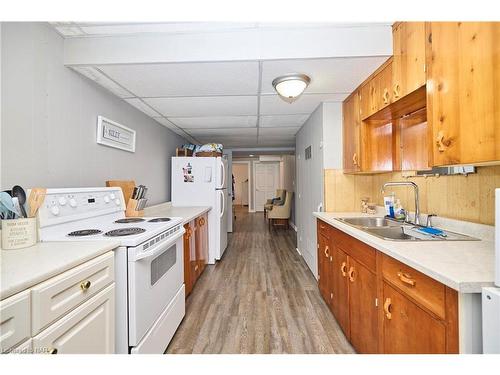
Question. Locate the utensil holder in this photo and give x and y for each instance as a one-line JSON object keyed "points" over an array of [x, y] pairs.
{"points": [[133, 208], [19, 233]]}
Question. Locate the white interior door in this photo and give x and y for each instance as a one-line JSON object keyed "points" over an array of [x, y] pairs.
{"points": [[267, 176]]}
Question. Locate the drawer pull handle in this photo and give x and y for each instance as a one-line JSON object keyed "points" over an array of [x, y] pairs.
{"points": [[387, 308], [351, 275], [85, 285], [343, 269], [405, 278], [53, 351], [327, 252], [355, 159], [385, 96], [396, 90]]}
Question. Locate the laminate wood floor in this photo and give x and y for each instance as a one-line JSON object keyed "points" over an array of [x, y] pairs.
{"points": [[260, 298]]}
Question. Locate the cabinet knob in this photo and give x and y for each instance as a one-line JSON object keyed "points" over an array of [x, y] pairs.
{"points": [[405, 278], [53, 351], [343, 269], [441, 142], [352, 274], [85, 285], [327, 249], [396, 90], [385, 96], [355, 159], [387, 308]]}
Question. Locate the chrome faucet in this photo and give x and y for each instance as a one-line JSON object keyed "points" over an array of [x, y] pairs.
{"points": [[415, 189]]}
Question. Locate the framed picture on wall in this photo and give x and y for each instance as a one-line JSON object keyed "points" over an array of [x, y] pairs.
{"points": [[113, 134]]}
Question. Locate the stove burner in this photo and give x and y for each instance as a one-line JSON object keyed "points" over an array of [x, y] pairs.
{"points": [[124, 232], [85, 232], [159, 220], [129, 220]]}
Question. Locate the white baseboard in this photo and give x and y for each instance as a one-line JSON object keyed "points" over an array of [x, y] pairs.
{"points": [[294, 227], [298, 251]]}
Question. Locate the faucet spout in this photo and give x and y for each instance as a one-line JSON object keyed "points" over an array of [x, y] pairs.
{"points": [[415, 190]]}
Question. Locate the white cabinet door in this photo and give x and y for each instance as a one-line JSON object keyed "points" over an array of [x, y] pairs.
{"points": [[14, 320], [89, 329]]}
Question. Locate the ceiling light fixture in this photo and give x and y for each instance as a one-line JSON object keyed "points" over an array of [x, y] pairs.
{"points": [[290, 86]]}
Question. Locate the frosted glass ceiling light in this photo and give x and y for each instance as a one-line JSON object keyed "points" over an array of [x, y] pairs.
{"points": [[290, 86]]}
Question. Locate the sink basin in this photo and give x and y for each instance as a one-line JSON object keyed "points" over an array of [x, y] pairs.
{"points": [[395, 231], [369, 222]]}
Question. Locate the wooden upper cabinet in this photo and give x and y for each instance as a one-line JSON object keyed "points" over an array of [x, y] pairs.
{"points": [[463, 95], [376, 93], [409, 63], [351, 133]]}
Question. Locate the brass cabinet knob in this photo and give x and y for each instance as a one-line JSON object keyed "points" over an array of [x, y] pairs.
{"points": [[355, 159], [343, 269], [351, 274], [53, 351], [85, 285], [327, 251], [387, 308], [396, 90], [385, 96]]}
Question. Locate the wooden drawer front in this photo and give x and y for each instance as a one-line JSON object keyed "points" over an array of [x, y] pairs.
{"points": [[60, 294], [89, 329], [324, 228], [15, 324], [426, 291], [356, 249]]}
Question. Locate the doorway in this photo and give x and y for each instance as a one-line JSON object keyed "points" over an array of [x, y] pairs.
{"points": [[241, 175], [267, 179]]}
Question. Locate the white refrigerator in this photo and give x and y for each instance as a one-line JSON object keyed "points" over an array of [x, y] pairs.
{"points": [[201, 181]]}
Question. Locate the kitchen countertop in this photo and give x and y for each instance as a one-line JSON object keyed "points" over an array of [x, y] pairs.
{"points": [[167, 210], [465, 266], [23, 268]]}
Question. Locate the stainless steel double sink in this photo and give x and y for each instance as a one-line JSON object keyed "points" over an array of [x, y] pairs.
{"points": [[392, 230]]}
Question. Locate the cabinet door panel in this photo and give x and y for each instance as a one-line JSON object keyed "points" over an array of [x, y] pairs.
{"points": [[362, 308], [340, 300], [463, 96], [408, 329], [351, 129], [324, 252]]}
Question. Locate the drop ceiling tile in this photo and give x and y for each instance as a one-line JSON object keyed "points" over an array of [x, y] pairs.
{"points": [[137, 103], [187, 79], [165, 122], [215, 122], [205, 106], [223, 133], [282, 120], [307, 103], [336, 75], [102, 80], [282, 131]]}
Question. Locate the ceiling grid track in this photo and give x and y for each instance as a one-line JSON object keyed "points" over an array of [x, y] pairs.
{"points": [[259, 92], [189, 136]]}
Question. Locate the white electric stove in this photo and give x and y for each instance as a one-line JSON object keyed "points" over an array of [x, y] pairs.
{"points": [[149, 274]]}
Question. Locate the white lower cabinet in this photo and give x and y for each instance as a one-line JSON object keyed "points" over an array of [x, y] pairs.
{"points": [[15, 320], [25, 348], [88, 329]]}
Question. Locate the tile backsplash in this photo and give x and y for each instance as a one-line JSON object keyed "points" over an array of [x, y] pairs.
{"points": [[469, 198]]}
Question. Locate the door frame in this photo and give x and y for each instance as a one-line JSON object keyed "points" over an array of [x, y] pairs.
{"points": [[254, 179], [250, 182]]}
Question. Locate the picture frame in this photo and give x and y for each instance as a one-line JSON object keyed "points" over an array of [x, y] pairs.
{"points": [[113, 134]]}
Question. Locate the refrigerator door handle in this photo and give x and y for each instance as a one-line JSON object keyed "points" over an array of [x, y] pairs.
{"points": [[223, 203], [223, 174]]}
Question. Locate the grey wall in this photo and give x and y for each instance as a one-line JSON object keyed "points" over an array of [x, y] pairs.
{"points": [[309, 186], [49, 115]]}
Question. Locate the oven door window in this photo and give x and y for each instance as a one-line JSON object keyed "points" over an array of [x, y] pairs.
{"points": [[162, 264]]}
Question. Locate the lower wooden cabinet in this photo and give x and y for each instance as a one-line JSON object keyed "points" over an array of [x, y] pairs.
{"points": [[381, 304], [408, 328], [195, 251]]}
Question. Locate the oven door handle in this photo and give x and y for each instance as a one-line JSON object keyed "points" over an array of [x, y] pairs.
{"points": [[158, 249]]}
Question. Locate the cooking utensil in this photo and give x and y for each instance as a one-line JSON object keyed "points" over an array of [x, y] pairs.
{"points": [[35, 200], [17, 206], [19, 193], [6, 201]]}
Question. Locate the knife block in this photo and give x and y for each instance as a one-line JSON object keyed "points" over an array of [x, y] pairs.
{"points": [[131, 209]]}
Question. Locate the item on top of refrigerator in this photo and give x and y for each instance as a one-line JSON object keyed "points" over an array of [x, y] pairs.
{"points": [[389, 205], [209, 149]]}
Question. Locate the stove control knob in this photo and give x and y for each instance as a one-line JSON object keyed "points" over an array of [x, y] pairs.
{"points": [[62, 201], [72, 202], [117, 201], [54, 210], [112, 196], [106, 199]]}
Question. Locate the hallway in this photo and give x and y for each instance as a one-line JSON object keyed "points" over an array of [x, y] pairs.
{"points": [[261, 298]]}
